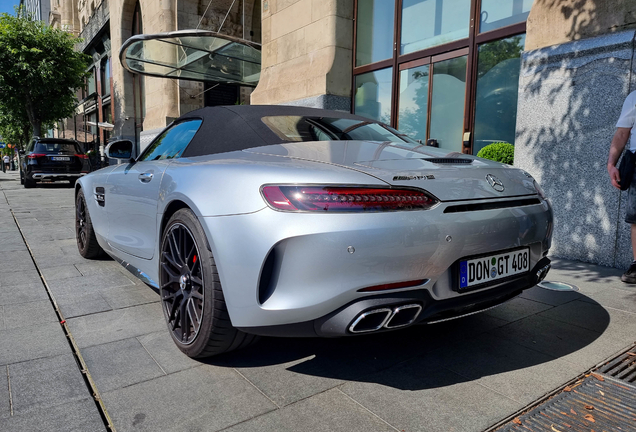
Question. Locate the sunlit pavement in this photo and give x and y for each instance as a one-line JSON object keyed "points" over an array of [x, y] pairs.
{"points": [[464, 375]]}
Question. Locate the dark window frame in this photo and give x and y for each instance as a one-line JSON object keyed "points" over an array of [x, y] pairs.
{"points": [[431, 55]]}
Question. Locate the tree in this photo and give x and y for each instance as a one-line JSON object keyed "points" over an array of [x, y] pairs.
{"points": [[40, 73], [15, 128]]}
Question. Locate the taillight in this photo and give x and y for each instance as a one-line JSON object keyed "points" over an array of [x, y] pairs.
{"points": [[345, 199], [81, 156], [35, 155]]}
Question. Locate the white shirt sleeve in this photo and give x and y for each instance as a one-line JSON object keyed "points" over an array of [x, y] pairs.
{"points": [[628, 113]]}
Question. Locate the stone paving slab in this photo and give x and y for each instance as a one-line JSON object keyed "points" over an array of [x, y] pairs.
{"points": [[22, 315], [132, 365], [202, 398], [421, 396], [105, 327], [46, 382], [28, 343], [328, 411], [80, 416]]}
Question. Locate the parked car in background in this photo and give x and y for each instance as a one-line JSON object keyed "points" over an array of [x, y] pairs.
{"points": [[290, 221], [52, 159]]}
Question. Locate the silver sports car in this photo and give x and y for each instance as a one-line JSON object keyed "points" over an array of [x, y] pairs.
{"points": [[288, 221]]}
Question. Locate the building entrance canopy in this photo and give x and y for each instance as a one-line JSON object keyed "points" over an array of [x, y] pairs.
{"points": [[195, 55]]}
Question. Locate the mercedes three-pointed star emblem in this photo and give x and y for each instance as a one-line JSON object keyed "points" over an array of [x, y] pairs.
{"points": [[495, 183]]}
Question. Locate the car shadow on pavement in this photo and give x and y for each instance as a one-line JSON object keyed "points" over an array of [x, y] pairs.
{"points": [[452, 352]]}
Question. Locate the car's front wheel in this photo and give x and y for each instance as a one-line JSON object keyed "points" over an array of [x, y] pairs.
{"points": [[191, 295]]}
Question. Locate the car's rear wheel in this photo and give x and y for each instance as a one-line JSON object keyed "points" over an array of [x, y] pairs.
{"points": [[21, 178], [191, 295], [28, 183], [84, 232]]}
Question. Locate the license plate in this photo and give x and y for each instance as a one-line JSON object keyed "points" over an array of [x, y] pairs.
{"points": [[61, 158], [487, 269]]}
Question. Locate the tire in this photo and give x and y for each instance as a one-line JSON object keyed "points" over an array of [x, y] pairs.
{"points": [[84, 233], [28, 183], [191, 288], [21, 178]]}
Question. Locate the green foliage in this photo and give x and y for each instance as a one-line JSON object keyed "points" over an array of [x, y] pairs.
{"points": [[15, 128], [498, 152], [40, 73], [493, 53]]}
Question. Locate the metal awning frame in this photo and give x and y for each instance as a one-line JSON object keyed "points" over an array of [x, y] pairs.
{"points": [[186, 33]]}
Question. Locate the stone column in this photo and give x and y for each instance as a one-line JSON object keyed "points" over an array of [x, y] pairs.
{"points": [[307, 53], [556, 22], [570, 97]]}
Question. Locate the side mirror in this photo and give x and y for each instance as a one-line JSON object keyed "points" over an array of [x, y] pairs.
{"points": [[120, 149], [21, 152]]}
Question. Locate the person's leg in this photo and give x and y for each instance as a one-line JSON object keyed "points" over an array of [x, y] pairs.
{"points": [[630, 217]]}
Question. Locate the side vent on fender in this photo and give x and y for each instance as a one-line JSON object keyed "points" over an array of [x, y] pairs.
{"points": [[100, 196]]}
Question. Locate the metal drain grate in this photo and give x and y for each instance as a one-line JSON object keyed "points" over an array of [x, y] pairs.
{"points": [[622, 367], [596, 403]]}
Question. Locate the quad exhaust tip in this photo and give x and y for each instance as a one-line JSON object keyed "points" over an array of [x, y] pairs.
{"points": [[543, 272], [389, 318]]}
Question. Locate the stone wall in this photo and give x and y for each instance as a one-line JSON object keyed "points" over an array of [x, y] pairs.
{"points": [[570, 97], [558, 21], [307, 49]]}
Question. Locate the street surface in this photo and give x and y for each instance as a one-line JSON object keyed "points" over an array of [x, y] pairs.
{"points": [[463, 375]]}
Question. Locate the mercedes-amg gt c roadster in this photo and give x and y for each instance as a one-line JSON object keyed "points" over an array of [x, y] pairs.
{"points": [[288, 221]]}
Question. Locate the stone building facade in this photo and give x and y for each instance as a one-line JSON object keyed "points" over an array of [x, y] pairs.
{"points": [[139, 106]]}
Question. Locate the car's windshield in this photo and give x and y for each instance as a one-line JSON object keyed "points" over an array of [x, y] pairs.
{"points": [[298, 128], [56, 147]]}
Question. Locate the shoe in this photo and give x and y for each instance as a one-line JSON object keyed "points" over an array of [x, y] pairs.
{"points": [[630, 275]]}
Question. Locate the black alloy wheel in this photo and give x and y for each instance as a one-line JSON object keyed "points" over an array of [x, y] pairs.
{"points": [[191, 295], [84, 234], [182, 293]]}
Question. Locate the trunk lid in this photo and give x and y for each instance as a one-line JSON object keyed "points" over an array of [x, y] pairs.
{"points": [[448, 176]]}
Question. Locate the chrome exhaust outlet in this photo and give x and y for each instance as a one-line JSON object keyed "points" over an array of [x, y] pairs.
{"points": [[543, 272], [371, 321], [403, 316]]}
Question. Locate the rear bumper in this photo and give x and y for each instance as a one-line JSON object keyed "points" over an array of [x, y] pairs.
{"points": [[350, 319], [280, 268]]}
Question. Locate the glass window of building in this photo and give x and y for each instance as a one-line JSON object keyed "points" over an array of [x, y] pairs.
{"points": [[105, 77], [372, 97], [458, 63], [447, 103], [501, 13], [374, 32], [427, 23], [413, 102], [90, 83], [498, 68]]}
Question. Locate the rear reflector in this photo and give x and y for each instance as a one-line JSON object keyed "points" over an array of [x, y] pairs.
{"points": [[81, 156], [345, 199], [394, 285]]}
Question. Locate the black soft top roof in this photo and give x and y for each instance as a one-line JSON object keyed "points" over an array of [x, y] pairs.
{"points": [[239, 127]]}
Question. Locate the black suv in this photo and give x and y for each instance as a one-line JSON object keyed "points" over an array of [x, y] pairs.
{"points": [[52, 159]]}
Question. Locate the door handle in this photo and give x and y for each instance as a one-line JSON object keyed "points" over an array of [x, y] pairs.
{"points": [[145, 177]]}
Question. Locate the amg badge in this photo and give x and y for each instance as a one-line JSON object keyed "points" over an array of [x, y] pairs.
{"points": [[414, 177]]}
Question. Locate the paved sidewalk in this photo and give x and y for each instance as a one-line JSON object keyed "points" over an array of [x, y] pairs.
{"points": [[464, 375]]}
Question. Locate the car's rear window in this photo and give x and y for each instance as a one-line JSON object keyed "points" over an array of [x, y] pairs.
{"points": [[298, 128], [56, 147]]}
